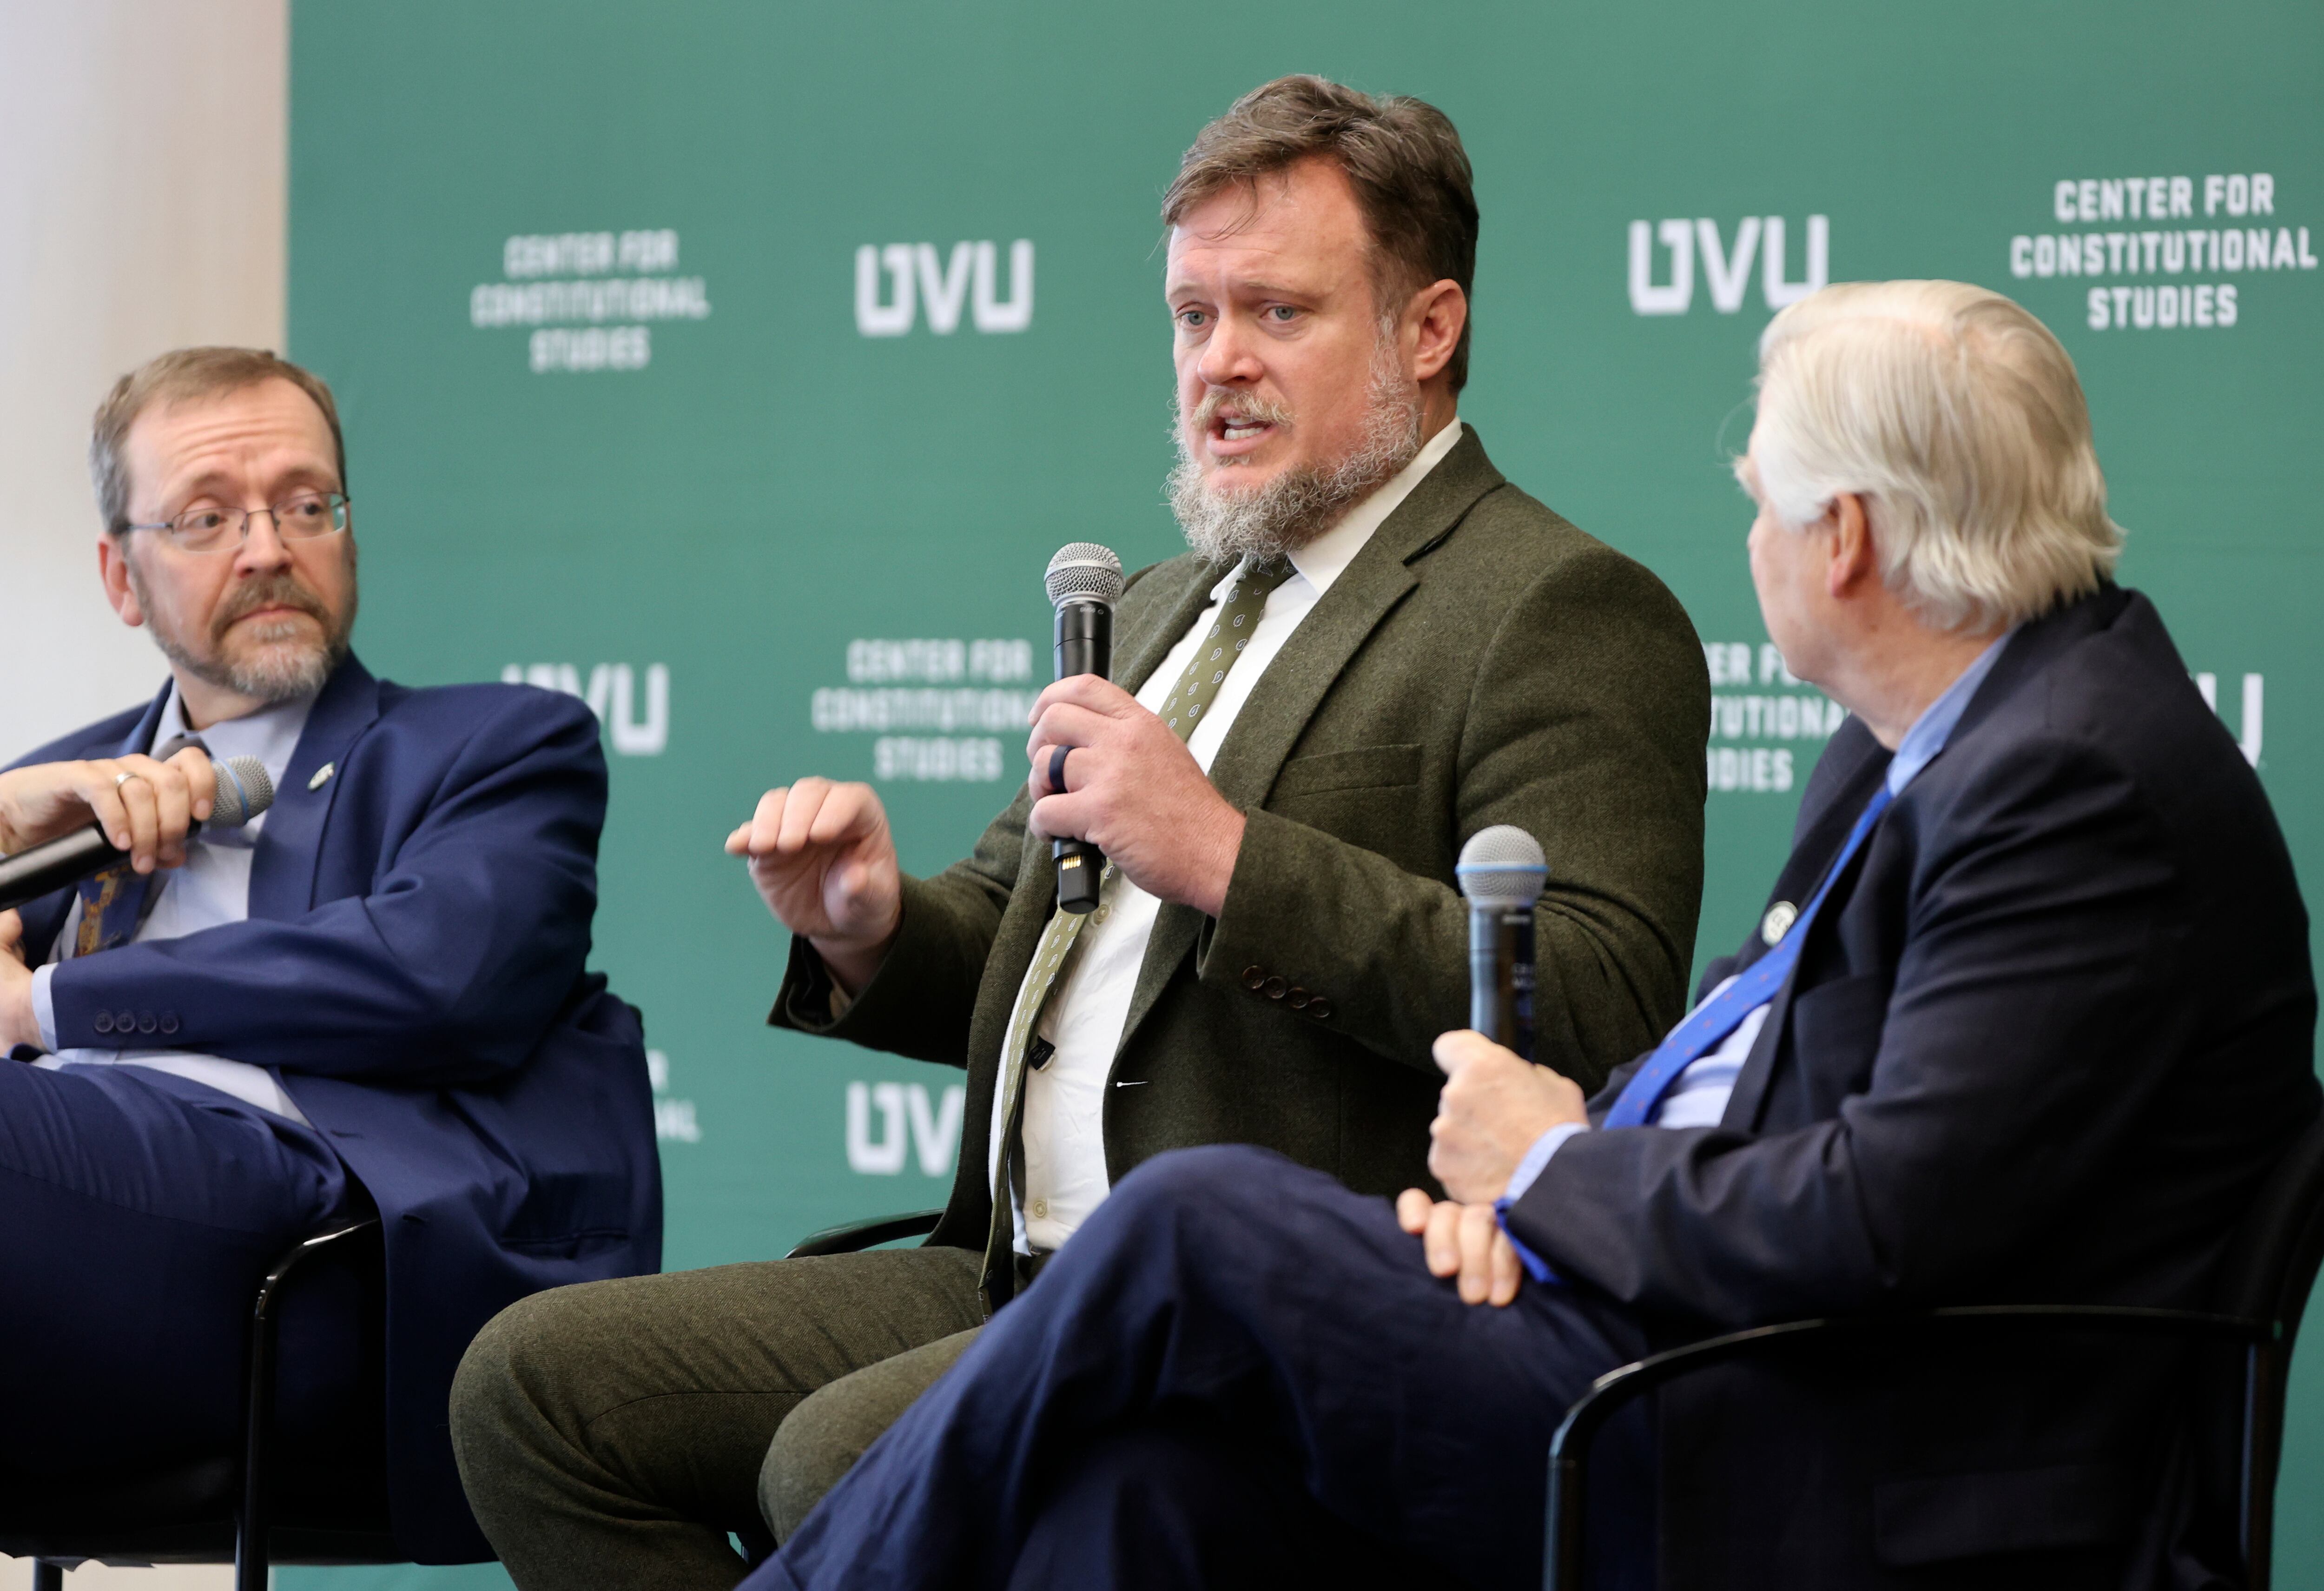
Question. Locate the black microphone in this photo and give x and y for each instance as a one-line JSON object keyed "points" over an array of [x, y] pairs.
{"points": [[1083, 582], [1501, 871], [244, 792]]}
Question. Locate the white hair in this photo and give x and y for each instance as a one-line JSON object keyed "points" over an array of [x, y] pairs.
{"points": [[1958, 419]]}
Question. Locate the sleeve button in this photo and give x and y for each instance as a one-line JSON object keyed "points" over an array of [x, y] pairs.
{"points": [[1320, 1009], [1298, 998], [102, 1021], [1252, 976], [125, 1022], [168, 1022], [1276, 989], [146, 1022]]}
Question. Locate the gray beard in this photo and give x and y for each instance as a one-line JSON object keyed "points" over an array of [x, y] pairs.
{"points": [[1299, 504], [276, 674]]}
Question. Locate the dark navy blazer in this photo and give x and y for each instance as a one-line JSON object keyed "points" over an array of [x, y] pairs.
{"points": [[2044, 1040], [414, 964]]}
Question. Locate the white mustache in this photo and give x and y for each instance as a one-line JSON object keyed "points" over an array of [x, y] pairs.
{"points": [[1246, 406]]}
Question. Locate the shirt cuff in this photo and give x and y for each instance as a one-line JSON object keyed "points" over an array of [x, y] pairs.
{"points": [[44, 1006], [1535, 1158]]}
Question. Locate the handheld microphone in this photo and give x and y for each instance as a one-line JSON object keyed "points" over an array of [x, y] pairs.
{"points": [[1501, 871], [1083, 583], [244, 792]]}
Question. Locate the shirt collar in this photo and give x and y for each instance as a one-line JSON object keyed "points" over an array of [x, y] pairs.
{"points": [[270, 734], [1321, 562], [1935, 726]]}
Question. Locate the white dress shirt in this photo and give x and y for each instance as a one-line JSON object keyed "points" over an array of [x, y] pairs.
{"points": [[1065, 1101], [212, 888], [1698, 1095]]}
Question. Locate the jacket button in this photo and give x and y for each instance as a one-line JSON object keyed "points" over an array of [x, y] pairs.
{"points": [[103, 1023], [125, 1022], [168, 1022], [1320, 1009], [1276, 989], [1252, 976], [1298, 998], [146, 1022]]}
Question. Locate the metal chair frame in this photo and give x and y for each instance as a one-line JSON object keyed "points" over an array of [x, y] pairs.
{"points": [[2270, 1270], [253, 1516]]}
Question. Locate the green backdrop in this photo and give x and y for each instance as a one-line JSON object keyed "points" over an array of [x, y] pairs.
{"points": [[738, 366]]}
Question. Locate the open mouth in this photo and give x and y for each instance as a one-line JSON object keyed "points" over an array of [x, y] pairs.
{"points": [[1234, 435]]}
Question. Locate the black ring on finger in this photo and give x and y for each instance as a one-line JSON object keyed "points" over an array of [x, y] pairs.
{"points": [[1058, 769]]}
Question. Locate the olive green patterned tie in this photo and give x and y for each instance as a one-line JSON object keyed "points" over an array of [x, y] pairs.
{"points": [[1229, 635]]}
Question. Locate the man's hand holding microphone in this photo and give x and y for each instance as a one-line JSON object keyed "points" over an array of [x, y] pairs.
{"points": [[140, 806], [1104, 770], [1496, 1102]]}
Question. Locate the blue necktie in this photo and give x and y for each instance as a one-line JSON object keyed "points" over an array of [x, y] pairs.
{"points": [[1709, 1023]]}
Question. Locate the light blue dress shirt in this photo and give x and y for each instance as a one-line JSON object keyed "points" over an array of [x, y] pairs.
{"points": [[212, 888], [1697, 1096]]}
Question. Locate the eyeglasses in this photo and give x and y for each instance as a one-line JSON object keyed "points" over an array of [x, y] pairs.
{"points": [[299, 518]]}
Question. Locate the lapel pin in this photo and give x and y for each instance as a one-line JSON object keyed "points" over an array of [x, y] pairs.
{"points": [[322, 776], [1778, 922]]}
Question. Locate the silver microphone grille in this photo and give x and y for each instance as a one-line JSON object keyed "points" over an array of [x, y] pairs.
{"points": [[1084, 571], [1502, 866], [244, 792]]}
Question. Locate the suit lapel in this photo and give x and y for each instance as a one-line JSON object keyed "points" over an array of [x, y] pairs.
{"points": [[1821, 834], [1288, 694], [1147, 652], [289, 847], [141, 738]]}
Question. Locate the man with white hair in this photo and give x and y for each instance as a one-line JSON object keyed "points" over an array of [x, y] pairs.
{"points": [[2027, 1018]]}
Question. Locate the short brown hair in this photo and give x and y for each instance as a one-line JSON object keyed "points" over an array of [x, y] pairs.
{"points": [[1402, 156], [179, 376]]}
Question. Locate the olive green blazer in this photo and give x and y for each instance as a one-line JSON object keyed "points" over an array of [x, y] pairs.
{"points": [[1479, 662]]}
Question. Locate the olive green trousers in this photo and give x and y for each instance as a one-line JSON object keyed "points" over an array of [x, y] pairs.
{"points": [[614, 1434]]}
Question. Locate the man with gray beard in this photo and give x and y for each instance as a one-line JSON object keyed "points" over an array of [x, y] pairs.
{"points": [[1375, 648], [368, 1003]]}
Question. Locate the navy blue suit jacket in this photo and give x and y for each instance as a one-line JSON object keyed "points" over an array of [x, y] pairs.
{"points": [[414, 964], [2045, 1039]]}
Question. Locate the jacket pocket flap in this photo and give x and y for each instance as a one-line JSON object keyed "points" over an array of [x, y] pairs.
{"points": [[1931, 1519], [1365, 767]]}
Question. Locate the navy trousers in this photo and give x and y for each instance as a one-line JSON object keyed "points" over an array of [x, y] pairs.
{"points": [[138, 1212], [1234, 1357]]}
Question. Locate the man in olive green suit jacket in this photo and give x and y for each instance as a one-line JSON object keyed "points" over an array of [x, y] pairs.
{"points": [[1479, 662], [1419, 650]]}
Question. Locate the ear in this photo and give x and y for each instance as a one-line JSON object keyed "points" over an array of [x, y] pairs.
{"points": [[1853, 561], [1437, 313], [113, 569]]}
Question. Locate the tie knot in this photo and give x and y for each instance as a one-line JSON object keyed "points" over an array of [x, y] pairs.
{"points": [[1258, 577]]}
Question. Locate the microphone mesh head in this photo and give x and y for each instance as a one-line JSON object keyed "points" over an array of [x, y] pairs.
{"points": [[244, 792], [1084, 571], [1502, 866]]}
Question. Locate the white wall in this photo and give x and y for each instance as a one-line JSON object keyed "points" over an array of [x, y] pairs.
{"points": [[142, 168], [143, 172]]}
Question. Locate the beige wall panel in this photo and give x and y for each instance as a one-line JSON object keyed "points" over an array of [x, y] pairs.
{"points": [[143, 175]]}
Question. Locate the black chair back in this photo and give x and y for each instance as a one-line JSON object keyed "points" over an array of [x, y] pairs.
{"points": [[2271, 1266], [2265, 1277]]}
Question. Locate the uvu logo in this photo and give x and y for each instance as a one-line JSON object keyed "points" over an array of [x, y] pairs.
{"points": [[969, 276], [1726, 268], [934, 1129], [2254, 708], [613, 696]]}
